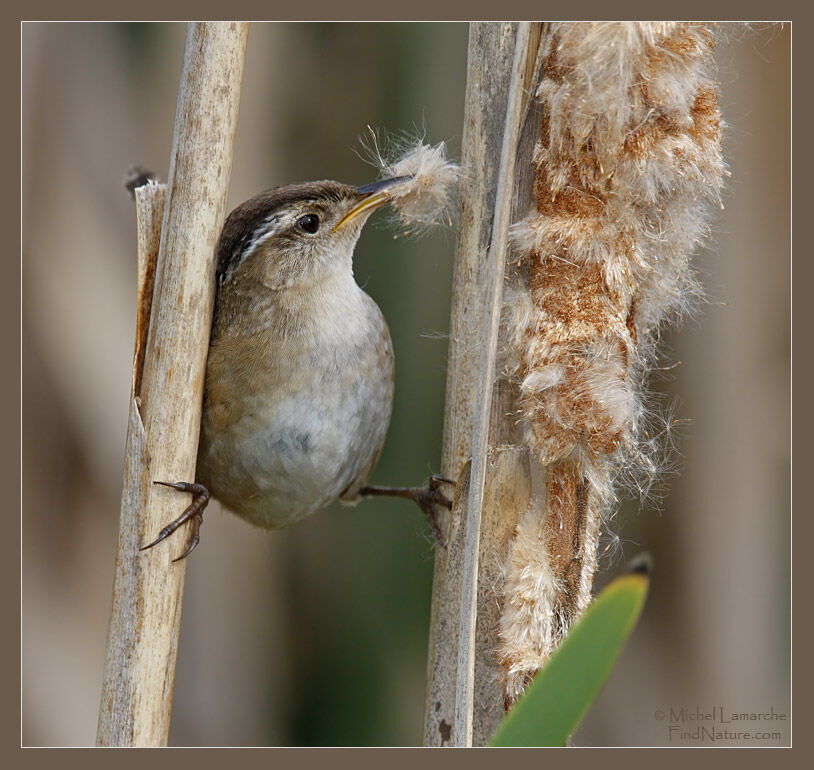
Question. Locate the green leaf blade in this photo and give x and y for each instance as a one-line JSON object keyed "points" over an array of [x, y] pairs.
{"points": [[561, 693]]}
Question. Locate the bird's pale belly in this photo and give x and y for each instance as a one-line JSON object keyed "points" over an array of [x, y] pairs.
{"points": [[287, 451]]}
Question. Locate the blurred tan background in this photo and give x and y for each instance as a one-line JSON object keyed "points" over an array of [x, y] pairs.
{"points": [[318, 635]]}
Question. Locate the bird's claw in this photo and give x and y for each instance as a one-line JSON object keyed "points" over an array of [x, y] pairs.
{"points": [[429, 496], [425, 497], [192, 513]]}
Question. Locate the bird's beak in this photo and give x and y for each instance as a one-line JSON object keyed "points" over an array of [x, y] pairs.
{"points": [[374, 196]]}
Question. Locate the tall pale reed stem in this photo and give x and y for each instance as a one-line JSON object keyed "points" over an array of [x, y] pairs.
{"points": [[165, 409], [464, 701]]}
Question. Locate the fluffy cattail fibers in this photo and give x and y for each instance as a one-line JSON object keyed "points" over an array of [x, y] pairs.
{"points": [[627, 167], [431, 195]]}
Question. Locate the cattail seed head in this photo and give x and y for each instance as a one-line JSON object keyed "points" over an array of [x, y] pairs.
{"points": [[628, 169]]}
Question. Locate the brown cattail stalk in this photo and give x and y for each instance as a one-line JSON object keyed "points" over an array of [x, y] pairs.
{"points": [[618, 163], [627, 166]]}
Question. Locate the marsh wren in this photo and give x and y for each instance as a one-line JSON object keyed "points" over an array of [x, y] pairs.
{"points": [[299, 376]]}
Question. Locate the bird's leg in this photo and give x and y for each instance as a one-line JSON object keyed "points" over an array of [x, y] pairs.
{"points": [[193, 512], [425, 497]]}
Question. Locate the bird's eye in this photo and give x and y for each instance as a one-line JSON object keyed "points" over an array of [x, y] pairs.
{"points": [[309, 223]]}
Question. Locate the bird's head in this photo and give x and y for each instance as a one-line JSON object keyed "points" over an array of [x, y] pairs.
{"points": [[298, 234]]}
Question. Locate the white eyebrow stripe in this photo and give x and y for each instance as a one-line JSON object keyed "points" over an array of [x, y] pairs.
{"points": [[271, 225]]}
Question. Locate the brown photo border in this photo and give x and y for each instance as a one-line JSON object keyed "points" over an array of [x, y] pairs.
{"points": [[392, 759]]}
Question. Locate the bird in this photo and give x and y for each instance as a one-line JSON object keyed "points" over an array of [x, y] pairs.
{"points": [[298, 389]]}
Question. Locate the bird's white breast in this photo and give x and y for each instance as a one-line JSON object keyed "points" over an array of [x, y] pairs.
{"points": [[303, 414]]}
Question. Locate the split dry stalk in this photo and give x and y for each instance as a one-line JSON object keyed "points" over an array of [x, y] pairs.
{"points": [[165, 409], [464, 700]]}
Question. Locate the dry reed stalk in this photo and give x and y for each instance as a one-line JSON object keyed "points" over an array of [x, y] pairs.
{"points": [[165, 409], [463, 695]]}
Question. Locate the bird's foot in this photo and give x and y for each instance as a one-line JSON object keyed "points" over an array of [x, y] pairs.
{"points": [[427, 498], [193, 513]]}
